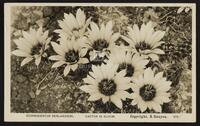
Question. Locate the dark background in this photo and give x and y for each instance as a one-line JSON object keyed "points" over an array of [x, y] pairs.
{"points": [[2, 123]]}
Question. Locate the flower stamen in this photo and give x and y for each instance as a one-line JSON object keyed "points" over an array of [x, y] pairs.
{"points": [[71, 56], [147, 92], [107, 87], [100, 44], [36, 49], [129, 69], [142, 46]]}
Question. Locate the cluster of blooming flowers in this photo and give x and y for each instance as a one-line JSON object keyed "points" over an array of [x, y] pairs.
{"points": [[125, 67]]}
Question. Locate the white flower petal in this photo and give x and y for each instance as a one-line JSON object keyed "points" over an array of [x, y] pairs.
{"points": [[146, 51], [149, 27], [24, 41], [58, 64], [142, 105], [64, 42], [105, 99], [187, 9], [128, 40], [102, 31], [123, 94], [123, 84], [56, 57], [92, 37], [134, 102], [64, 27], [83, 60], [142, 63], [109, 70], [158, 100], [154, 57], [29, 38], [66, 70], [38, 60], [58, 49], [80, 16], [157, 107], [82, 31], [157, 44], [156, 37], [136, 31], [117, 101], [136, 86], [95, 97], [163, 86], [97, 73], [131, 34], [180, 10], [25, 46], [83, 52], [158, 77], [158, 51], [44, 37], [149, 35], [47, 41], [142, 32], [148, 75], [114, 37], [165, 99], [33, 32], [121, 74], [39, 32], [68, 22], [74, 67], [108, 30], [26, 60], [89, 80], [20, 53], [95, 30], [73, 20], [150, 104], [88, 88]]}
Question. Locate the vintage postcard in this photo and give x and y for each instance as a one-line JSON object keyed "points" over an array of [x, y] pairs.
{"points": [[105, 62]]}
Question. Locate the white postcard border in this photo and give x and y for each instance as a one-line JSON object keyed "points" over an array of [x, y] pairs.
{"points": [[93, 117]]}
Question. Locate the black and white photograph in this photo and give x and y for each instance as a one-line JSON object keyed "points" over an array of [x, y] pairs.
{"points": [[107, 62]]}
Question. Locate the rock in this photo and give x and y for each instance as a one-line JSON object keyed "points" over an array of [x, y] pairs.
{"points": [[38, 92], [32, 94], [47, 11], [20, 78]]}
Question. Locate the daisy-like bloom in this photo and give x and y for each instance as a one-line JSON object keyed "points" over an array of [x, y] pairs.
{"points": [[32, 45], [73, 25], [106, 84], [69, 53], [101, 40], [145, 40], [150, 91], [133, 64]]}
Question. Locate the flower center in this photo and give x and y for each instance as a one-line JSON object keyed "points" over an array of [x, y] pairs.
{"points": [[36, 49], [76, 32], [76, 29], [100, 44], [147, 92], [107, 87], [129, 69], [142, 46], [71, 56]]}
